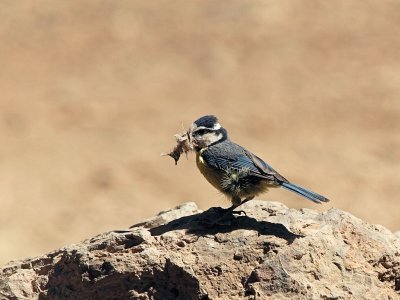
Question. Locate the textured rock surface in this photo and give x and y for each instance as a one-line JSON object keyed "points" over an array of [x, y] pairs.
{"points": [[272, 251]]}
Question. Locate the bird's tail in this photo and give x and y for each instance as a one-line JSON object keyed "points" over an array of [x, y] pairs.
{"points": [[304, 192]]}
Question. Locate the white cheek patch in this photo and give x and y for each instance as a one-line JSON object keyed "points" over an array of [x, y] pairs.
{"points": [[214, 138], [216, 126]]}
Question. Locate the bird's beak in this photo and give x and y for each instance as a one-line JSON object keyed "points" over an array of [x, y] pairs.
{"points": [[188, 135]]}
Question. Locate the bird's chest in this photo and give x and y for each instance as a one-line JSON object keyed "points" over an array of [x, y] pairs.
{"points": [[214, 176], [202, 164]]}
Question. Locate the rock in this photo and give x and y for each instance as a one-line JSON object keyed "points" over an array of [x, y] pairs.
{"points": [[271, 252]]}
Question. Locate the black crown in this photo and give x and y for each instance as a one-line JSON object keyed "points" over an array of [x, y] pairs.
{"points": [[207, 121]]}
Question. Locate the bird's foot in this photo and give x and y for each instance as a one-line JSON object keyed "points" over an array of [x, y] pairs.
{"points": [[223, 216], [238, 212]]}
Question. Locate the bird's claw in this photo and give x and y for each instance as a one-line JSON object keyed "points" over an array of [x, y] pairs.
{"points": [[238, 212]]}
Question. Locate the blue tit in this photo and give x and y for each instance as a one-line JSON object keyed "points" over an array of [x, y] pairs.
{"points": [[233, 170]]}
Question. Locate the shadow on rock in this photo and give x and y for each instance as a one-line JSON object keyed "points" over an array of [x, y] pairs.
{"points": [[204, 223]]}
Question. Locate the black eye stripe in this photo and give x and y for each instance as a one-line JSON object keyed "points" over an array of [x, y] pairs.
{"points": [[203, 131]]}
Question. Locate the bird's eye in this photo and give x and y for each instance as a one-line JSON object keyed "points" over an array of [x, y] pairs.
{"points": [[202, 131]]}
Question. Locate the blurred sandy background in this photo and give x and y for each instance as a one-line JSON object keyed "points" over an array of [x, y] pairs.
{"points": [[92, 92]]}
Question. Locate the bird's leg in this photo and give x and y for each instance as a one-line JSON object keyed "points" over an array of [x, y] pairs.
{"points": [[235, 205], [236, 202], [225, 214], [228, 212], [247, 199]]}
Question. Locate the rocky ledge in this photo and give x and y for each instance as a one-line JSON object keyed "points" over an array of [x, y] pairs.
{"points": [[269, 251]]}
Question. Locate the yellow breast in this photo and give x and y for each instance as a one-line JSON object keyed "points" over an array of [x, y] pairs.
{"points": [[212, 176], [201, 163], [199, 157]]}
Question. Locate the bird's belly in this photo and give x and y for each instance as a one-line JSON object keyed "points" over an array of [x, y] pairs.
{"points": [[232, 182]]}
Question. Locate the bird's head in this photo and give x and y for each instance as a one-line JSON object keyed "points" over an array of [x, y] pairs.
{"points": [[206, 131]]}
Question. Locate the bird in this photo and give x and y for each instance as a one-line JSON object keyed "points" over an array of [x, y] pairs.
{"points": [[234, 170]]}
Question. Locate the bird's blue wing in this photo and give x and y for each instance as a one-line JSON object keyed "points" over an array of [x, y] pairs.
{"points": [[264, 167], [254, 165], [237, 163]]}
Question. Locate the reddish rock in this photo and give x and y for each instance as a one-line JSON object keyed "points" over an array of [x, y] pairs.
{"points": [[271, 252]]}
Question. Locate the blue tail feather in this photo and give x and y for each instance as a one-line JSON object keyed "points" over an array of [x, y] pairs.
{"points": [[304, 192]]}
